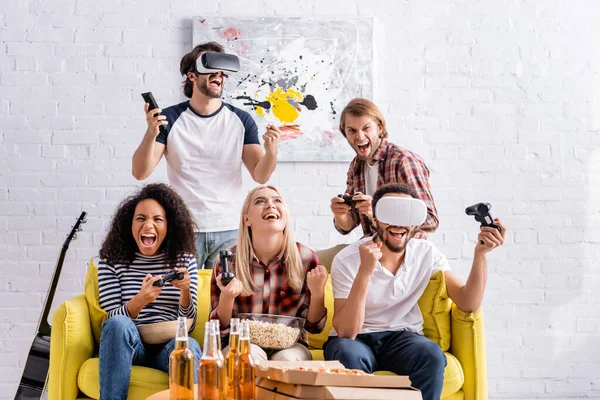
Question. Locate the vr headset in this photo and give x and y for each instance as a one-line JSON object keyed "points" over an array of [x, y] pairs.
{"points": [[213, 62], [401, 211]]}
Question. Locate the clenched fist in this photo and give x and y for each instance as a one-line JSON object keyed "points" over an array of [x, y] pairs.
{"points": [[370, 254], [316, 280]]}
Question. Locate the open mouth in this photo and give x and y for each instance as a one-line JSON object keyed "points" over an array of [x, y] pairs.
{"points": [[363, 147], [216, 83], [148, 239], [270, 217], [397, 234]]}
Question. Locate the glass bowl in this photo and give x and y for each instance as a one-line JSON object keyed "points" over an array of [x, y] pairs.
{"points": [[273, 332]]}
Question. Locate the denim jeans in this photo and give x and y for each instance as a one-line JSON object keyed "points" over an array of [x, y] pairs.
{"points": [[121, 347], [404, 353], [208, 245]]}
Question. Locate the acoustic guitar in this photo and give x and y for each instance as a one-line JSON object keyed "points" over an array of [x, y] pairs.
{"points": [[35, 374]]}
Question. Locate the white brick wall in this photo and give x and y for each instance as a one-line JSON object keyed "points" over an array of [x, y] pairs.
{"points": [[501, 97]]}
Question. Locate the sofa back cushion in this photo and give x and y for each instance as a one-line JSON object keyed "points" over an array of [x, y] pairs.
{"points": [[435, 306]]}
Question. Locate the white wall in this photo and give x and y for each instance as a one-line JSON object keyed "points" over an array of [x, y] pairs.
{"points": [[500, 97]]}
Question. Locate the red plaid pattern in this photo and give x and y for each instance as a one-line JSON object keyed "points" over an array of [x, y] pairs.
{"points": [[396, 165], [272, 295]]}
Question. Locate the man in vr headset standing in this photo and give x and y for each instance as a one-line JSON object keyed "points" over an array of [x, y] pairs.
{"points": [[378, 281], [205, 141], [377, 162]]}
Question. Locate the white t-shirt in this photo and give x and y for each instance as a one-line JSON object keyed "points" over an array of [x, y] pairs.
{"points": [[371, 175], [392, 300], [204, 161]]}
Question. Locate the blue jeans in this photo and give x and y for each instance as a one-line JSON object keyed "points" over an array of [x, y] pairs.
{"points": [[208, 245], [121, 347], [404, 353]]}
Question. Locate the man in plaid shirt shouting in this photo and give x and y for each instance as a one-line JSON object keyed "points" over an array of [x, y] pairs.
{"points": [[377, 162]]}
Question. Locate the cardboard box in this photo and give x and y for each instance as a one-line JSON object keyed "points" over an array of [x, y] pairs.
{"points": [[267, 389], [279, 371]]}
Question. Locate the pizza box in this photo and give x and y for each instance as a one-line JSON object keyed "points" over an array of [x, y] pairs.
{"points": [[267, 389], [280, 371]]}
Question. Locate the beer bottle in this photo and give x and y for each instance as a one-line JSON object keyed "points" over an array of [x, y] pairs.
{"points": [[245, 370], [223, 378], [181, 365], [209, 367], [233, 392]]}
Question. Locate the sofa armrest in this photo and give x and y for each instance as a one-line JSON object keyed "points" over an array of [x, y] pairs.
{"points": [[468, 346], [71, 344]]}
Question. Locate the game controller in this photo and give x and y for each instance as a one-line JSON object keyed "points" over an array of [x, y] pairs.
{"points": [[226, 274], [168, 277], [481, 212], [348, 199]]}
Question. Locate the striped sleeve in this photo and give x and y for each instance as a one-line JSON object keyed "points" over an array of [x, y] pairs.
{"points": [[191, 310], [109, 289]]}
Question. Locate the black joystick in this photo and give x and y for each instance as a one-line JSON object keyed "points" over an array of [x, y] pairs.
{"points": [[481, 212], [168, 277], [226, 274]]}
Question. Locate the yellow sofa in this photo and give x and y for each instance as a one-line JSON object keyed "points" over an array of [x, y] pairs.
{"points": [[76, 326]]}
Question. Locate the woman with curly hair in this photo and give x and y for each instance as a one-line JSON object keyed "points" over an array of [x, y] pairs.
{"points": [[273, 274], [151, 234]]}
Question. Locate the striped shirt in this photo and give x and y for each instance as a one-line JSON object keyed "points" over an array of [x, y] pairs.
{"points": [[120, 283], [272, 294], [396, 165]]}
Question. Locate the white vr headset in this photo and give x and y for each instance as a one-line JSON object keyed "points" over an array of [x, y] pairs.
{"points": [[401, 211], [212, 62]]}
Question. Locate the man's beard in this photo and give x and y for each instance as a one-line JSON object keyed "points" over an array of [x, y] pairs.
{"points": [[392, 247], [205, 90]]}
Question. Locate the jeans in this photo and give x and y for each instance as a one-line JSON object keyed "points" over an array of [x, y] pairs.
{"points": [[121, 347], [208, 245], [404, 353]]}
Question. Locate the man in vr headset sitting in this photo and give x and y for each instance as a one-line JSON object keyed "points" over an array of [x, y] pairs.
{"points": [[377, 283], [205, 141]]}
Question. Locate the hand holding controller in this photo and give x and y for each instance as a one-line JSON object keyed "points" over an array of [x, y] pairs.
{"points": [[226, 274], [348, 199], [168, 277], [152, 105], [481, 212]]}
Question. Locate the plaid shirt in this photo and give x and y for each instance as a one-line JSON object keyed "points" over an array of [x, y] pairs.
{"points": [[272, 295], [396, 165]]}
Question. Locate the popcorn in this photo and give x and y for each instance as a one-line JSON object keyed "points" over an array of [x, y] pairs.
{"points": [[269, 335]]}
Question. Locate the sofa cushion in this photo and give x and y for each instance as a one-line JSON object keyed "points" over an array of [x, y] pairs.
{"points": [[97, 314], [435, 307], [143, 381]]}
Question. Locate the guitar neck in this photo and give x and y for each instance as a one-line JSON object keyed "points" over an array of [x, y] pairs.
{"points": [[44, 327]]}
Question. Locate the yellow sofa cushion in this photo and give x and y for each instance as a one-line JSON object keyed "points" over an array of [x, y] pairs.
{"points": [[435, 306], [143, 382], [97, 314]]}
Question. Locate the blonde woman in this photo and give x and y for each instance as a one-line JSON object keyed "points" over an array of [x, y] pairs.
{"points": [[273, 274]]}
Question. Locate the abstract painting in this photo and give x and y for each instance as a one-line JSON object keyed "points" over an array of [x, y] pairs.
{"points": [[298, 74]]}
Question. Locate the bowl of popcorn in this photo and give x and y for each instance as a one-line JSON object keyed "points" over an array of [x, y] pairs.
{"points": [[273, 332]]}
